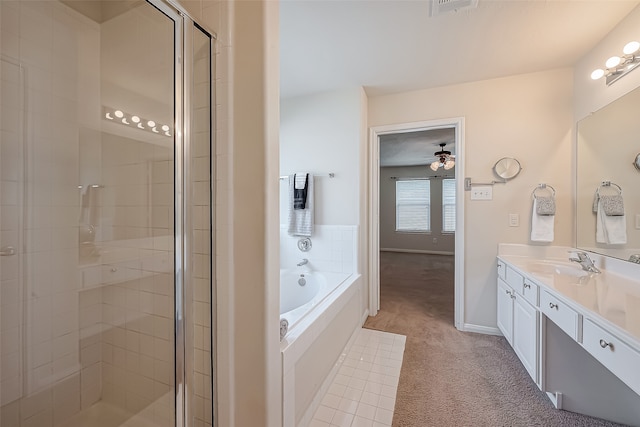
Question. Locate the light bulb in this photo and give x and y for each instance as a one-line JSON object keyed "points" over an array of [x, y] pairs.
{"points": [[135, 119], [108, 116], [449, 164], [614, 61], [165, 128], [434, 166], [597, 74], [151, 123], [119, 114], [631, 47]]}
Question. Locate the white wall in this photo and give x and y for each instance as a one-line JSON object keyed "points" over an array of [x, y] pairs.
{"points": [[591, 95], [528, 117], [389, 237], [321, 134]]}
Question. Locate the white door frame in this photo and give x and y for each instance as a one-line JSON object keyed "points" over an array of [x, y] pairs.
{"points": [[374, 208]]}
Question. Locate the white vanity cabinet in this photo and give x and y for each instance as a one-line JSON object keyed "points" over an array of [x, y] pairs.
{"points": [[576, 334], [517, 318]]}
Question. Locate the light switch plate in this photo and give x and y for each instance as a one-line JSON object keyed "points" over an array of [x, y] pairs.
{"points": [[514, 220], [482, 193]]}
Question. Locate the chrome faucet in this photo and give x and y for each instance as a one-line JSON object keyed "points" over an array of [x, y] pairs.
{"points": [[584, 261], [635, 258], [303, 262]]}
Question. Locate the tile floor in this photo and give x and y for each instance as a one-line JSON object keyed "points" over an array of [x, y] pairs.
{"points": [[363, 393]]}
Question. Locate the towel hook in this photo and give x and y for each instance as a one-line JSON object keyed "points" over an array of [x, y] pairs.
{"points": [[543, 186]]}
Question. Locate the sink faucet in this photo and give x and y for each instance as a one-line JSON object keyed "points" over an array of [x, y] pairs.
{"points": [[584, 261], [303, 262], [635, 258]]}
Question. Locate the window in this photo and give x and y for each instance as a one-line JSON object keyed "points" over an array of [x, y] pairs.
{"points": [[413, 211], [448, 205]]}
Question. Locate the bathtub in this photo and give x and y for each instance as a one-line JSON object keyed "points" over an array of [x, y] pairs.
{"points": [[302, 289], [323, 316]]}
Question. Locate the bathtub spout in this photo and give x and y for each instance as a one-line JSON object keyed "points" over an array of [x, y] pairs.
{"points": [[303, 262]]}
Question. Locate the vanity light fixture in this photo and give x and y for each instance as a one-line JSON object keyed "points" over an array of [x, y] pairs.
{"points": [[134, 121], [445, 159], [618, 66]]}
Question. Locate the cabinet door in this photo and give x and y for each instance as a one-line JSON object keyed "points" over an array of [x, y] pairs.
{"points": [[505, 310], [525, 335]]}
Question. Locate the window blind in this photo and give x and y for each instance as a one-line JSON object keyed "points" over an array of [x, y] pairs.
{"points": [[413, 211], [449, 205]]}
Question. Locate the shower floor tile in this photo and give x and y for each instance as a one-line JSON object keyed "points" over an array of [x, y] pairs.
{"points": [[363, 393]]}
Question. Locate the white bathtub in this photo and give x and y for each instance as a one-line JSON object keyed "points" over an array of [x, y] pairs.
{"points": [[296, 300], [319, 331]]}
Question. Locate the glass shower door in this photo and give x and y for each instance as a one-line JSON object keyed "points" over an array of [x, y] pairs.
{"points": [[104, 177]]}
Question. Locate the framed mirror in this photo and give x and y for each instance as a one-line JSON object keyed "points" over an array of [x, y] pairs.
{"points": [[507, 168], [608, 142]]}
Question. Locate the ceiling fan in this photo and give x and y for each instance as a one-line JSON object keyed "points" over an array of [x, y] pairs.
{"points": [[444, 159]]}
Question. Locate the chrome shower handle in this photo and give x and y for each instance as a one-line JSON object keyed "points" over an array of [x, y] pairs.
{"points": [[7, 251]]}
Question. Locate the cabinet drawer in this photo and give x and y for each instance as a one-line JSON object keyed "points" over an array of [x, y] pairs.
{"points": [[530, 292], [560, 314], [501, 270], [513, 278], [613, 353]]}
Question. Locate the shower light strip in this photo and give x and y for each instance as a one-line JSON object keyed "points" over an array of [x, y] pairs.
{"points": [[135, 121]]}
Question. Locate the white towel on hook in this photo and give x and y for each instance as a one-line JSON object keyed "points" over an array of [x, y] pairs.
{"points": [[541, 225], [301, 220], [610, 229]]}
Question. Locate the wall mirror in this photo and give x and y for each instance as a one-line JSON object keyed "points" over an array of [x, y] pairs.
{"points": [[608, 142], [507, 168]]}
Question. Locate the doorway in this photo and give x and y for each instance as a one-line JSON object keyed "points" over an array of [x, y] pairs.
{"points": [[404, 175]]}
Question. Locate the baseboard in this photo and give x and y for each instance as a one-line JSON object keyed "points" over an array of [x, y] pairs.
{"points": [[365, 315], [486, 330], [416, 251]]}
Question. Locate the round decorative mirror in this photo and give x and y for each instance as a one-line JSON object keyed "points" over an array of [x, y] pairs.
{"points": [[636, 162], [507, 168]]}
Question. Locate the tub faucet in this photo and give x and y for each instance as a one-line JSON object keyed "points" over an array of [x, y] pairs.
{"points": [[635, 258], [303, 262], [585, 262]]}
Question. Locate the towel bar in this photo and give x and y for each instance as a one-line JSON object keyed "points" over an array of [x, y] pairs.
{"points": [[330, 175]]}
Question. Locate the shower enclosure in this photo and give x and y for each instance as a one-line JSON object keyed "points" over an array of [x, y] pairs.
{"points": [[105, 215]]}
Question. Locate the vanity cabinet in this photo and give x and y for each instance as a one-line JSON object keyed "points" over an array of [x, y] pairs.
{"points": [[613, 353], [518, 319]]}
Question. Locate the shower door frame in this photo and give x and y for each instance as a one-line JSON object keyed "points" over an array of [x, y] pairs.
{"points": [[183, 69]]}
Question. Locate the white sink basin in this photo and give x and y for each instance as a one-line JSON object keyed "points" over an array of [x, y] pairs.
{"points": [[556, 268]]}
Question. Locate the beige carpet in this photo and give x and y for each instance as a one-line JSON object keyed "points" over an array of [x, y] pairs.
{"points": [[452, 378]]}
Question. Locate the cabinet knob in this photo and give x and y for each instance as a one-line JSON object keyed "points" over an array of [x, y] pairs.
{"points": [[552, 305], [508, 292], [527, 286], [605, 344]]}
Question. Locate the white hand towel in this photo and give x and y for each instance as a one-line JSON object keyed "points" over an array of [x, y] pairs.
{"points": [[610, 229], [301, 220], [541, 225]]}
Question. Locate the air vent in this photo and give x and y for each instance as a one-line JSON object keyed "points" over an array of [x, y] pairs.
{"points": [[440, 7]]}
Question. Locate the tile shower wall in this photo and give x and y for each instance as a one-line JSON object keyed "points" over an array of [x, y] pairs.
{"points": [[199, 338], [333, 249]]}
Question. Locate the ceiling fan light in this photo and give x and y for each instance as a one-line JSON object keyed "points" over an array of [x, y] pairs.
{"points": [[449, 164], [434, 166]]}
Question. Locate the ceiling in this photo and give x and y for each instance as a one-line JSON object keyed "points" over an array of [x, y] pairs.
{"points": [[391, 46], [415, 148]]}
